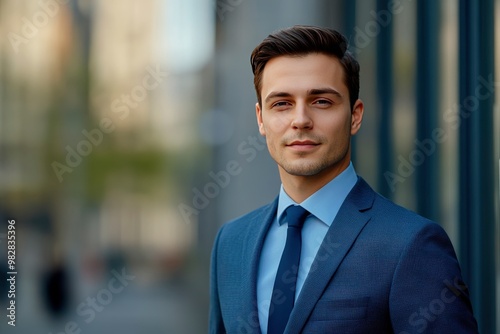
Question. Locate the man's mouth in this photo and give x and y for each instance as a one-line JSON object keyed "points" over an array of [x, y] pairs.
{"points": [[302, 145]]}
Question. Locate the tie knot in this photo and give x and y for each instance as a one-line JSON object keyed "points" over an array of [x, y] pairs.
{"points": [[295, 216]]}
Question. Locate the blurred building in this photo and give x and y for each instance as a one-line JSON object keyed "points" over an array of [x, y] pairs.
{"points": [[97, 141]]}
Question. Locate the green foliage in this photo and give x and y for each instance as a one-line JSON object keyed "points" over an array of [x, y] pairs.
{"points": [[138, 171]]}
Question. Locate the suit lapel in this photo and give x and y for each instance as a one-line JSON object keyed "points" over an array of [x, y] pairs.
{"points": [[348, 223], [253, 241]]}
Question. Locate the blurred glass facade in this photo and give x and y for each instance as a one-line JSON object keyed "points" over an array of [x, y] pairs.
{"points": [[128, 137]]}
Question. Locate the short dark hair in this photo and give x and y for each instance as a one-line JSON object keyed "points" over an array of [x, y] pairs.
{"points": [[301, 40]]}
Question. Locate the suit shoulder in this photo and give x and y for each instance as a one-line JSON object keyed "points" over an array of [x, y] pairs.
{"points": [[391, 208], [404, 232], [383, 209], [401, 218]]}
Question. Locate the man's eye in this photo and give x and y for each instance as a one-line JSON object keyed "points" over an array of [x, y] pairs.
{"points": [[322, 102], [280, 104]]}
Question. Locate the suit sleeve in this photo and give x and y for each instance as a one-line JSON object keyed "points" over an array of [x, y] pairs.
{"points": [[216, 324], [428, 294]]}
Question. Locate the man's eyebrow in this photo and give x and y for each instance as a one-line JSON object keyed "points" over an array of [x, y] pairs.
{"points": [[321, 91], [273, 95]]}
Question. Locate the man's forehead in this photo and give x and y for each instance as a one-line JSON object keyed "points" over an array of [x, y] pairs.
{"points": [[304, 73]]}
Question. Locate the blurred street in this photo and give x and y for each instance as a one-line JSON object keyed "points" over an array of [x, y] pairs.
{"points": [[160, 308]]}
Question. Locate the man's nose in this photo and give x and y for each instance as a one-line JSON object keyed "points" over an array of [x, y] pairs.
{"points": [[301, 117]]}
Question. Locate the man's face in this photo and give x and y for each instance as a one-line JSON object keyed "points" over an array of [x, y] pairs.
{"points": [[306, 117]]}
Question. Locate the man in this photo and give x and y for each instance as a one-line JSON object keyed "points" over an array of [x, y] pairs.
{"points": [[328, 255]]}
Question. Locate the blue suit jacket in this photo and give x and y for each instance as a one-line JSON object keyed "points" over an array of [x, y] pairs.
{"points": [[380, 269]]}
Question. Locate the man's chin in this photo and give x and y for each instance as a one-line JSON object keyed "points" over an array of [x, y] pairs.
{"points": [[304, 170]]}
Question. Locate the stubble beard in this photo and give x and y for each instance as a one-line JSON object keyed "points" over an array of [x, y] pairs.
{"points": [[311, 167]]}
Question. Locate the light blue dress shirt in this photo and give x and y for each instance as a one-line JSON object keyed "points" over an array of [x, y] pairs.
{"points": [[323, 206]]}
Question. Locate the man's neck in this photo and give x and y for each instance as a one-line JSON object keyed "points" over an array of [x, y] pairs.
{"points": [[300, 188]]}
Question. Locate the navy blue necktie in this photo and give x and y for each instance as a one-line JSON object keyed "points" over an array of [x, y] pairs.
{"points": [[283, 296]]}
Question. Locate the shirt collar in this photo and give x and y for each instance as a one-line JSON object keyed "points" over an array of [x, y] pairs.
{"points": [[326, 202]]}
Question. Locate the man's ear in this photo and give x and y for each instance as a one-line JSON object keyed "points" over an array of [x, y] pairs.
{"points": [[356, 116], [258, 113]]}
